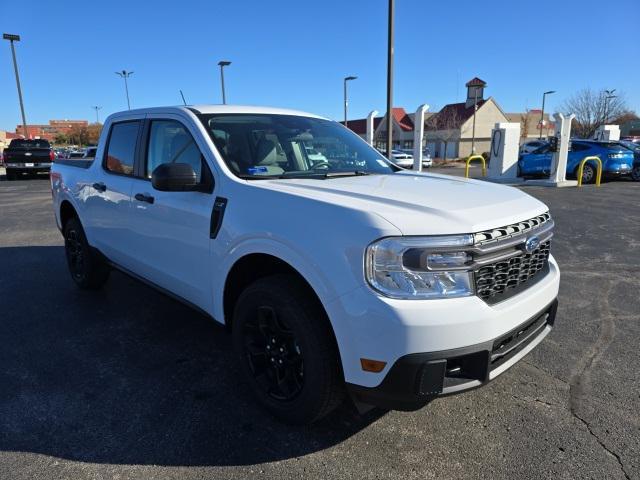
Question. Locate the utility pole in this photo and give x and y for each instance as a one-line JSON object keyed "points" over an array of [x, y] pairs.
{"points": [[390, 81], [542, 114], [16, 38], [222, 64], [96, 108], [124, 74], [346, 100]]}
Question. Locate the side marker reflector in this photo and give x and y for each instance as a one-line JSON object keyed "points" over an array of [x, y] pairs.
{"points": [[375, 366]]}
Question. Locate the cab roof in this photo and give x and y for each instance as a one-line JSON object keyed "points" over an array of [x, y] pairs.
{"points": [[212, 109]]}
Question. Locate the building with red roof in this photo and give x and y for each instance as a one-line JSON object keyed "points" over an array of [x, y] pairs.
{"points": [[452, 132]]}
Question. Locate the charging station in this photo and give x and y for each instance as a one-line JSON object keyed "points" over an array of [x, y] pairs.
{"points": [[503, 154], [370, 126], [560, 149], [607, 133], [418, 133]]}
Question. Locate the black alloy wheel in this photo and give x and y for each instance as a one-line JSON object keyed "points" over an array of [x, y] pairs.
{"points": [[273, 354], [88, 270], [287, 350]]}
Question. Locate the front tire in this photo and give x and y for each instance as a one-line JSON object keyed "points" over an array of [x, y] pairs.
{"points": [[87, 269], [635, 173], [588, 174], [287, 350]]}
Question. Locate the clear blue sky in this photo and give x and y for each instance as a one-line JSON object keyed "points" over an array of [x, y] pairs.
{"points": [[295, 53]]}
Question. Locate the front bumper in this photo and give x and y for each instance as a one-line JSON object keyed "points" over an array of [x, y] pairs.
{"points": [[415, 379], [370, 326]]}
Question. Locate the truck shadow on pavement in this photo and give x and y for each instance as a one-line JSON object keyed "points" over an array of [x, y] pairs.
{"points": [[127, 376]]}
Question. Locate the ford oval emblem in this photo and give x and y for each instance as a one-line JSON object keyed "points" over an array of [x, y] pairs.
{"points": [[531, 244]]}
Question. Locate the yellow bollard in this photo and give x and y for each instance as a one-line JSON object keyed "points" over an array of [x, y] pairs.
{"points": [[476, 157], [598, 170]]}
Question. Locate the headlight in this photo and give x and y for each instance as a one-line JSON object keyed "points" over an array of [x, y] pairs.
{"points": [[420, 267]]}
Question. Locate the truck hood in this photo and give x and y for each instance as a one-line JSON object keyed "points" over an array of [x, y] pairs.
{"points": [[421, 204]]}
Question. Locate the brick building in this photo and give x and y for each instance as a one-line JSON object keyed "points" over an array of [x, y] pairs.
{"points": [[54, 128]]}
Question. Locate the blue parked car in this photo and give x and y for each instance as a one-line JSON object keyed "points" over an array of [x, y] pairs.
{"points": [[617, 160]]}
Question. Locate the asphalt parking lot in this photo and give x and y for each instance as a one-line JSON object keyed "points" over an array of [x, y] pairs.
{"points": [[126, 383]]}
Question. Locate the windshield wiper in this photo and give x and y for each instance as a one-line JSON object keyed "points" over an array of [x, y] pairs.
{"points": [[352, 173], [307, 174], [323, 175]]}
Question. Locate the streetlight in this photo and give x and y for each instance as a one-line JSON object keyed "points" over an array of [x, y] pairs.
{"points": [[124, 74], [96, 108], [610, 95], [16, 38], [346, 102], [390, 79], [542, 114], [223, 63]]}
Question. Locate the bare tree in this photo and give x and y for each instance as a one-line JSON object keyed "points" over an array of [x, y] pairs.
{"points": [[444, 126], [525, 123], [593, 109], [624, 117]]}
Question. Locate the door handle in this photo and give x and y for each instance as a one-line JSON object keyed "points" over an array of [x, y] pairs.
{"points": [[141, 197], [101, 187]]}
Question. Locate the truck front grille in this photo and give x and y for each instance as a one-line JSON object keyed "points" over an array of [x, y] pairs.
{"points": [[512, 230], [494, 280]]}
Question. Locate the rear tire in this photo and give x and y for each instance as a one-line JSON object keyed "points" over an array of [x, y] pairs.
{"points": [[87, 269], [10, 175], [288, 354]]}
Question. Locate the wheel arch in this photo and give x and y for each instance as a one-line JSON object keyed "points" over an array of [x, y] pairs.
{"points": [[67, 211], [251, 267]]}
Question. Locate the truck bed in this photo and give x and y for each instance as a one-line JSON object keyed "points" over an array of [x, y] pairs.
{"points": [[79, 163]]}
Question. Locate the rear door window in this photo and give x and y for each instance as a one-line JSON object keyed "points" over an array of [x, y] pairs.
{"points": [[121, 150]]}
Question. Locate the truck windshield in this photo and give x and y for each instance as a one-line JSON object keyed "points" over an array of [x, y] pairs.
{"points": [[29, 144], [258, 146]]}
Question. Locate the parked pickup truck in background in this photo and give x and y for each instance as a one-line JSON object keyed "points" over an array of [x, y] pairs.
{"points": [[342, 277], [27, 156]]}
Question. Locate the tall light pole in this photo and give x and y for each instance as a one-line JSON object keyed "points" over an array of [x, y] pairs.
{"points": [[96, 108], [544, 95], [346, 100], [223, 63], [124, 74], [610, 95], [16, 38], [390, 81]]}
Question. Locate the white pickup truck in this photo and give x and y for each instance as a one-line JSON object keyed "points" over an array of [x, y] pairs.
{"points": [[342, 277]]}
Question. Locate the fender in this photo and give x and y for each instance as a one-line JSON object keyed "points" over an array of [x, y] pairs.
{"points": [[295, 258]]}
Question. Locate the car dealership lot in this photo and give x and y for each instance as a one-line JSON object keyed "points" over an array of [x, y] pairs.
{"points": [[126, 383]]}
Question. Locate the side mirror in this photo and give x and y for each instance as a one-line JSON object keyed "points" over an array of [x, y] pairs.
{"points": [[174, 177]]}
